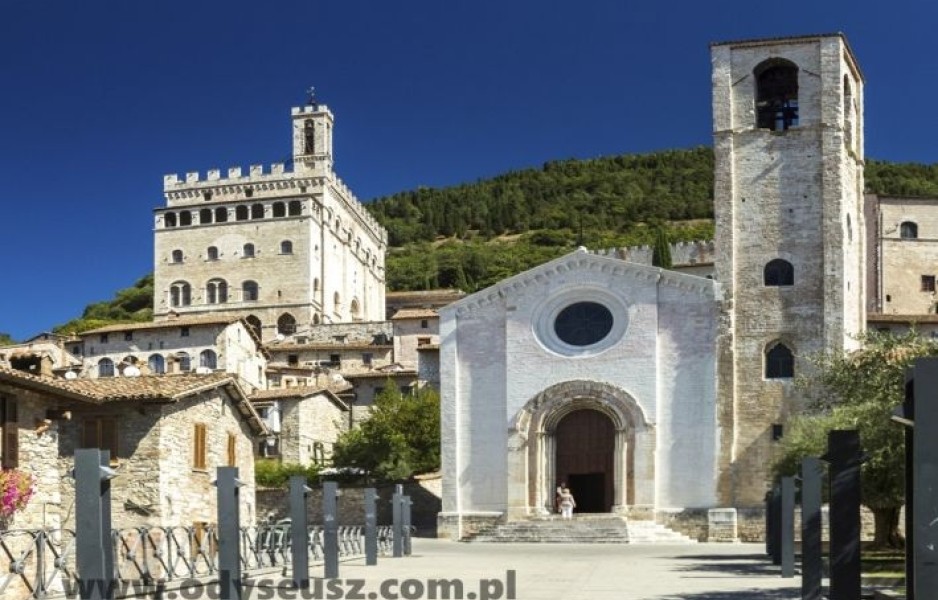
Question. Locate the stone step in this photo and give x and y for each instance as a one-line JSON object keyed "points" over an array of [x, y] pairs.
{"points": [[582, 529]]}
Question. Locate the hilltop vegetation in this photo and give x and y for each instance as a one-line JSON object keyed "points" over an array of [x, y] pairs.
{"points": [[472, 235]]}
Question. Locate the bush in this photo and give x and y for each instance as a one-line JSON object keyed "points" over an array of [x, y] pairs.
{"points": [[271, 473]]}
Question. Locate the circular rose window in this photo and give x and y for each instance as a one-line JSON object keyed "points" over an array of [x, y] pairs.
{"points": [[583, 323], [580, 321]]}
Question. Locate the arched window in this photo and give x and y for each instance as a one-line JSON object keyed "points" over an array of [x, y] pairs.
{"points": [[286, 247], [247, 251], [211, 253], [316, 284], [208, 359], [185, 363], [216, 291], [157, 364], [779, 362], [295, 208], [249, 291], [241, 213], [309, 137], [316, 319], [257, 211], [205, 215], [908, 230], [279, 209], [169, 219], [185, 218], [221, 214], [337, 301], [779, 272], [180, 294], [354, 308], [255, 324], [776, 95], [105, 367], [286, 324], [177, 256]]}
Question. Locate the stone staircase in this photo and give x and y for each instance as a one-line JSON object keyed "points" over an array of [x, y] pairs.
{"points": [[582, 529]]}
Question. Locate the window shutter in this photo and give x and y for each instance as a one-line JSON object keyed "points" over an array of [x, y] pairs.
{"points": [[198, 461], [11, 434], [232, 450], [89, 438], [109, 437]]}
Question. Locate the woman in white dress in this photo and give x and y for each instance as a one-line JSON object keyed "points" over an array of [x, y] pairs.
{"points": [[567, 503]]}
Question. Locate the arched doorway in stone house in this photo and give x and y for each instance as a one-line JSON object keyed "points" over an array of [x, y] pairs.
{"points": [[585, 460]]}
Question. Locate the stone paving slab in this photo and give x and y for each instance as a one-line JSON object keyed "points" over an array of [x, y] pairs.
{"points": [[575, 572]]}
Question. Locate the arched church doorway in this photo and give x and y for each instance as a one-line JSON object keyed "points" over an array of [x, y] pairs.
{"points": [[585, 460]]}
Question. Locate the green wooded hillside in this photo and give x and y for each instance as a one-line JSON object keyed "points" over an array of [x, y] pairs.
{"points": [[472, 235]]}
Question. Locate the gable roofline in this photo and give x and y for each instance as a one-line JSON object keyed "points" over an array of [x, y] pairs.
{"points": [[146, 388], [580, 258], [298, 392]]}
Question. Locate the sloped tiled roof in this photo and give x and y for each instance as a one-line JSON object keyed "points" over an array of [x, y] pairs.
{"points": [[177, 322], [298, 392], [415, 313], [163, 388]]}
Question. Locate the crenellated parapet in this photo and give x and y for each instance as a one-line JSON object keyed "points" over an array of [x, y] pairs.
{"points": [[683, 254], [358, 209]]}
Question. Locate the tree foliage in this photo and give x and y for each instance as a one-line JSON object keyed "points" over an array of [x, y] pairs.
{"points": [[130, 305], [661, 250], [859, 390], [5, 339], [400, 438]]}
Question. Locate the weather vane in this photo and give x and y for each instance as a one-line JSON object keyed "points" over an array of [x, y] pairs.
{"points": [[312, 96]]}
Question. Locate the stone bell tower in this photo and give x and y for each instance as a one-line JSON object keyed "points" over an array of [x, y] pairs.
{"points": [[788, 145]]}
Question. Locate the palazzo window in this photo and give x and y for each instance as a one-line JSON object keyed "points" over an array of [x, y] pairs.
{"points": [[286, 247], [247, 251], [249, 291], [180, 294], [286, 324], [185, 218], [295, 208], [779, 362], [928, 283], [257, 211], [216, 291], [279, 209], [169, 219], [205, 216], [177, 256], [221, 215], [777, 95], [211, 253], [241, 213]]}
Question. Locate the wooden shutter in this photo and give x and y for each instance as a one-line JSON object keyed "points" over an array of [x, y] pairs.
{"points": [[11, 433], [232, 450], [108, 437], [198, 458]]}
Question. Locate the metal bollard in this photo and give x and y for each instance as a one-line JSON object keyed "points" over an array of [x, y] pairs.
{"points": [[397, 518], [299, 531], [93, 547], [787, 532], [406, 523], [811, 557], [330, 529], [229, 533], [371, 526]]}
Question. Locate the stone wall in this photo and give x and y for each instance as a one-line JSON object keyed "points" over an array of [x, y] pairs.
{"points": [[905, 261], [305, 422], [425, 495]]}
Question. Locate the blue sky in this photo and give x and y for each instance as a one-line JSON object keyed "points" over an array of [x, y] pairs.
{"points": [[100, 99]]}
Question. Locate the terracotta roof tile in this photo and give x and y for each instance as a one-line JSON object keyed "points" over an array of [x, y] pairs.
{"points": [[155, 325], [110, 389], [415, 313]]}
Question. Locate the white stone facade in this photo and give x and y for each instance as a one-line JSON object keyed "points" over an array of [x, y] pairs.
{"points": [[507, 383], [285, 249], [906, 235]]}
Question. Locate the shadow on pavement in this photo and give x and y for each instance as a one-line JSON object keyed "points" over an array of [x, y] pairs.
{"points": [[733, 565]]}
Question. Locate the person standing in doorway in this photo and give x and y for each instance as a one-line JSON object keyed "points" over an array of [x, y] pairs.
{"points": [[560, 487], [567, 503]]}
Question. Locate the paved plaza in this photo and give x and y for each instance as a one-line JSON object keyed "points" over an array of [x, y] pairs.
{"points": [[575, 572]]}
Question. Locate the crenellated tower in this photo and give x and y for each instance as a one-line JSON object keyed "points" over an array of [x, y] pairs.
{"points": [[285, 247], [790, 234]]}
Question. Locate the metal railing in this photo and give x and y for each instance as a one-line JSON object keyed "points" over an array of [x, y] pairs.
{"points": [[41, 563]]}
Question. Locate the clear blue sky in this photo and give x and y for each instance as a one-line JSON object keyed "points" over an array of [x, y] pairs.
{"points": [[98, 100]]}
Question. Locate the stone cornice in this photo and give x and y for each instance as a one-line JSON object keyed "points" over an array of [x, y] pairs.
{"points": [[581, 259]]}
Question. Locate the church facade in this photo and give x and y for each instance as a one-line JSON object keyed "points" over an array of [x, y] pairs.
{"points": [[662, 395]]}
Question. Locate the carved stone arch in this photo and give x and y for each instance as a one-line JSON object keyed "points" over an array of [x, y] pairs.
{"points": [[531, 446]]}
